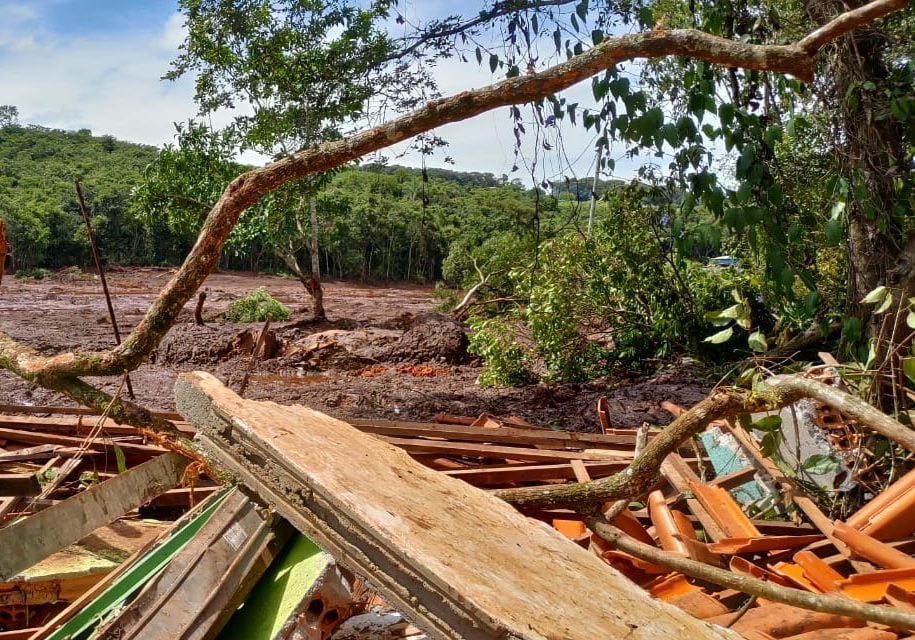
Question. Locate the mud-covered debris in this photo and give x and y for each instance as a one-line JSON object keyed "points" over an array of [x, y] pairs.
{"points": [[342, 349], [378, 626], [190, 344], [432, 338], [245, 342], [422, 371]]}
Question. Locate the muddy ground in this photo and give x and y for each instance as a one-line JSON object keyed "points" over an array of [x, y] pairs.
{"points": [[383, 353]]}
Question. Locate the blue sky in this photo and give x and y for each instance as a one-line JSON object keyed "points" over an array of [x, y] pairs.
{"points": [[97, 64]]}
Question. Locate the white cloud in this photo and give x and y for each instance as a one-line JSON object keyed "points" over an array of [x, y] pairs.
{"points": [[107, 83], [110, 83]]}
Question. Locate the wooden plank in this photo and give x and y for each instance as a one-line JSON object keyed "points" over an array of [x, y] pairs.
{"points": [[489, 475], [456, 559], [478, 450], [203, 585], [32, 437], [69, 411], [26, 542], [39, 452], [511, 435], [74, 425], [19, 484]]}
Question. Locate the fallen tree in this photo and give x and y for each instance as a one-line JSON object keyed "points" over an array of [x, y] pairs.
{"points": [[62, 372]]}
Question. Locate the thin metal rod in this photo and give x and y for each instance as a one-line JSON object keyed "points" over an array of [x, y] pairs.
{"points": [[101, 273]]}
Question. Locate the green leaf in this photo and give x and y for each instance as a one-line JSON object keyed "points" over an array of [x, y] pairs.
{"points": [[757, 342], [582, 10], [479, 56], [910, 319], [833, 231], [769, 444], [908, 368], [493, 62], [871, 354], [875, 296], [768, 424], [597, 36], [732, 312], [721, 336], [120, 459], [772, 135], [887, 301], [820, 463]]}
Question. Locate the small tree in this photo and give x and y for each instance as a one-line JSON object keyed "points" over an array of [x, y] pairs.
{"points": [[9, 116], [306, 69]]}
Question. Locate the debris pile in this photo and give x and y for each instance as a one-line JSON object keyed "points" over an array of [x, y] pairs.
{"points": [[104, 534]]}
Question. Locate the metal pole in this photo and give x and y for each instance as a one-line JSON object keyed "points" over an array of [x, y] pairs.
{"points": [[101, 273], [592, 209]]}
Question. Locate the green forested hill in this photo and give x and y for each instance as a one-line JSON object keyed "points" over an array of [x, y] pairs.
{"points": [[37, 169], [375, 222]]}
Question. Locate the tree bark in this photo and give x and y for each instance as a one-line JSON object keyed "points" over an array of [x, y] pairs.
{"points": [[797, 59], [871, 150]]}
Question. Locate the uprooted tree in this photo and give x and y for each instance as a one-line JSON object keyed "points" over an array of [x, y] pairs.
{"points": [[63, 372]]}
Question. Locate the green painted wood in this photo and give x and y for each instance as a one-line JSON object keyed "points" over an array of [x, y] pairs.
{"points": [[279, 592], [136, 576]]}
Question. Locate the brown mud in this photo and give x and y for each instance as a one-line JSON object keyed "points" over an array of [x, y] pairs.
{"points": [[383, 353]]}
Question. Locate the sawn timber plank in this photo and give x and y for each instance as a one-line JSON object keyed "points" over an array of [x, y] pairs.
{"points": [[459, 561], [24, 543]]}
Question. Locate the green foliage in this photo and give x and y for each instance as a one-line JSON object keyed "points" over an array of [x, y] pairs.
{"points": [[38, 202], [256, 306], [506, 361], [305, 67], [36, 273]]}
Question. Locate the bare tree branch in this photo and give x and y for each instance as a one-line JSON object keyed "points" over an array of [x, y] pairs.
{"points": [[849, 21]]}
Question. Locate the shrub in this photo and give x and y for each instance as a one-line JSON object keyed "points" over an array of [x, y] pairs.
{"points": [[506, 361], [256, 306], [33, 274]]}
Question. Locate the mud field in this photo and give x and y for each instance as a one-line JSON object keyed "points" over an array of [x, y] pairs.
{"points": [[383, 353]]}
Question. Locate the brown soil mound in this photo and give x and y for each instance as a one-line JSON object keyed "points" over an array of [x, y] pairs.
{"points": [[432, 338], [192, 344]]}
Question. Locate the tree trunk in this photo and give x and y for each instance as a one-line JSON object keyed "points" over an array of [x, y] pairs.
{"points": [[872, 157], [317, 291], [592, 209]]}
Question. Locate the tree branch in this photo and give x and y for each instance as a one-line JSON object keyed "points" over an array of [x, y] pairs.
{"points": [[824, 603], [500, 9], [644, 471], [247, 188], [849, 21], [853, 407], [84, 393]]}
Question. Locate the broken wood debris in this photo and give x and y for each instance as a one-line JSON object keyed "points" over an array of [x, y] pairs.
{"points": [[395, 522], [692, 514]]}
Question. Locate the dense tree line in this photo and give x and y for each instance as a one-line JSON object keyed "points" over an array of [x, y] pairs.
{"points": [[378, 222], [37, 199]]}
